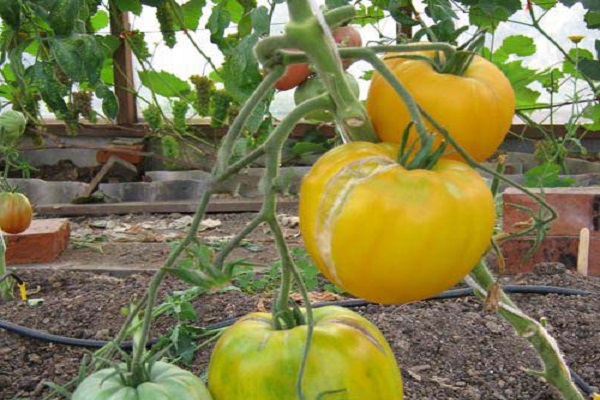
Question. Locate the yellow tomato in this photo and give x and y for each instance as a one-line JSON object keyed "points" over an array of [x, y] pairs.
{"points": [[390, 235], [476, 108]]}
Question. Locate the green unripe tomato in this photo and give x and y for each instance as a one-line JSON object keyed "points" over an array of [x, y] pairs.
{"points": [[314, 87], [166, 382]]}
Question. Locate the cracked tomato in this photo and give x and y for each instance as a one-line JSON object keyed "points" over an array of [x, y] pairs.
{"points": [[391, 235]]}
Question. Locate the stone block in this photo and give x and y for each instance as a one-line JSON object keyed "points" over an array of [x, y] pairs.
{"points": [[42, 192], [42, 242]]}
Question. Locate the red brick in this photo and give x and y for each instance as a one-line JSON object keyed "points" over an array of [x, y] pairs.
{"points": [[130, 153], [43, 241], [574, 206], [561, 249]]}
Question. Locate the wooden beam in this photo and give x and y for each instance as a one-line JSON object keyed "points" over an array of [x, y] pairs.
{"points": [[403, 30], [123, 70], [217, 206]]}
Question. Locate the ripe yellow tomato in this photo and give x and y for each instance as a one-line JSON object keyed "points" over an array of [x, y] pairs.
{"points": [[476, 108], [391, 235]]}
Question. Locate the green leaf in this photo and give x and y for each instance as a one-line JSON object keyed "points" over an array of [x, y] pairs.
{"points": [[164, 83], [261, 20], [331, 4], [546, 175], [545, 4], [107, 75], [63, 16], [592, 113], [366, 15], [241, 72], [99, 20], [520, 78], [81, 57], [489, 13], [576, 55], [52, 92], [301, 148], [10, 13], [519, 45], [135, 6], [109, 44], [110, 104], [235, 9], [550, 79], [192, 11], [590, 68], [218, 21], [592, 19]]}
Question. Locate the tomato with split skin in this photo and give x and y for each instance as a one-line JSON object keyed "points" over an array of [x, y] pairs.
{"points": [[392, 235]]}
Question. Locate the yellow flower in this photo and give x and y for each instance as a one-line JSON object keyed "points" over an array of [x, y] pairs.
{"points": [[576, 38]]}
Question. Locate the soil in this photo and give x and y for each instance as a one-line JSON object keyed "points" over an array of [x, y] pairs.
{"points": [[450, 349]]}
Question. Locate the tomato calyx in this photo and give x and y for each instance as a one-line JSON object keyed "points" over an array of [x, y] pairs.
{"points": [[288, 318], [458, 63], [426, 157]]}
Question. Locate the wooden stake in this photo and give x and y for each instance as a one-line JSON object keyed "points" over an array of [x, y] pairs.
{"points": [[583, 252]]}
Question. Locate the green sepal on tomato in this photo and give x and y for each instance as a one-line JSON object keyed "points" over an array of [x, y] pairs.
{"points": [[391, 235], [476, 106], [348, 359], [314, 87], [165, 382], [16, 212]]}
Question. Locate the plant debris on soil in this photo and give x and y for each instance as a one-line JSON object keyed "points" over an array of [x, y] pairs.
{"points": [[447, 349]]}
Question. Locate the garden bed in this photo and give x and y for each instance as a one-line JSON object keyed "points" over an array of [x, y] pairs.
{"points": [[451, 349]]}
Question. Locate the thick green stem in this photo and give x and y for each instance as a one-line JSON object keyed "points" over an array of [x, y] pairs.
{"points": [[338, 16], [555, 370], [308, 32], [5, 285], [223, 157]]}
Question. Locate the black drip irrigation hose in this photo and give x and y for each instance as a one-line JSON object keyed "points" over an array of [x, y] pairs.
{"points": [[351, 303]]}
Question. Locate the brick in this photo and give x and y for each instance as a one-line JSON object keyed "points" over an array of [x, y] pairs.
{"points": [[577, 208], [129, 153], [561, 249], [42, 242]]}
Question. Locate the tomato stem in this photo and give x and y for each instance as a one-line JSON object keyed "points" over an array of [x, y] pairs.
{"points": [[6, 286], [555, 369], [458, 63]]}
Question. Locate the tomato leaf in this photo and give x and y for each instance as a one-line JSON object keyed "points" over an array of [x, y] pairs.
{"points": [[80, 57], [331, 4], [241, 72], [190, 13], [62, 16], [164, 83], [519, 45], [588, 4]]}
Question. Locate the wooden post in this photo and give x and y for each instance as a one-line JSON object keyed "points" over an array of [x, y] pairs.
{"points": [[403, 29], [584, 252], [123, 70]]}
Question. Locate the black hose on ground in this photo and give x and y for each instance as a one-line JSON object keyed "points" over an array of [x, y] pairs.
{"points": [[351, 303]]}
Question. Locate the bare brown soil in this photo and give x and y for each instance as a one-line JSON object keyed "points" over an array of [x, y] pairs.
{"points": [[450, 349]]}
